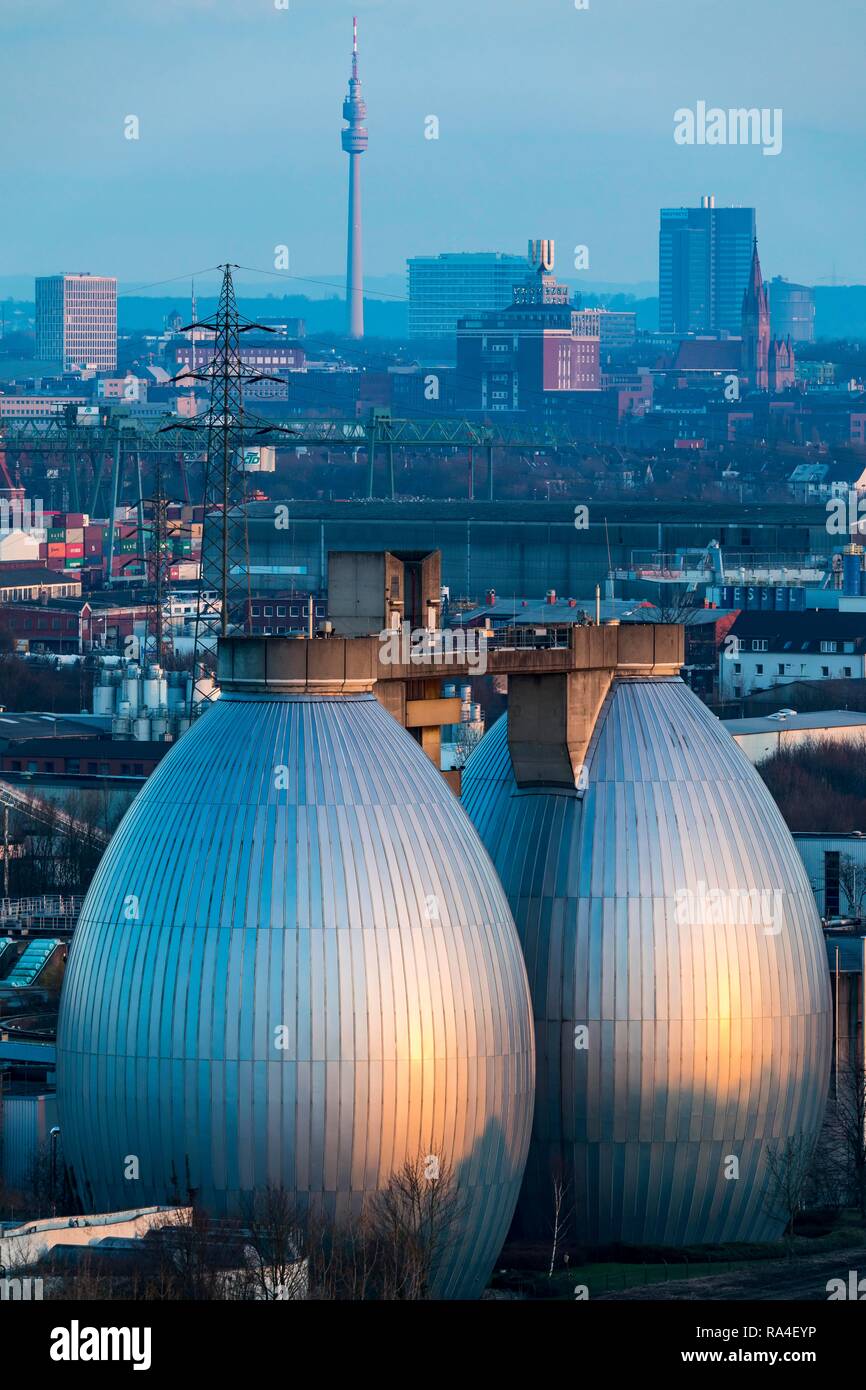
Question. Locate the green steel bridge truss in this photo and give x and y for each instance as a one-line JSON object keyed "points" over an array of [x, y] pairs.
{"points": [[116, 434]]}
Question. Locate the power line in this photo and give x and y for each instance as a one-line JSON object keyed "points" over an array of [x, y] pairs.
{"points": [[331, 284], [155, 284]]}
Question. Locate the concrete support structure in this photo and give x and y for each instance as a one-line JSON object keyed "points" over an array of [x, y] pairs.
{"points": [[369, 591], [551, 716], [555, 695], [383, 604]]}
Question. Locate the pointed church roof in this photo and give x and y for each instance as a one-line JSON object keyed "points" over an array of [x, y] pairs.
{"points": [[755, 293], [756, 279]]}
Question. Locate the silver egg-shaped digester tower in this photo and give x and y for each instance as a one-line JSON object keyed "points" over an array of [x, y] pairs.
{"points": [[675, 956], [296, 968]]}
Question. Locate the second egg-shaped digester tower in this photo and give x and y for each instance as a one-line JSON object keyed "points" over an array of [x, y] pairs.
{"points": [[678, 973], [296, 968]]}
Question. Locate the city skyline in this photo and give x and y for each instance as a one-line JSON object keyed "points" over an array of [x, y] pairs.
{"points": [[539, 123], [432, 669]]}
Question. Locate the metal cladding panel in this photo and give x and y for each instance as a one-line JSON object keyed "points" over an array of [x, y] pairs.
{"points": [[668, 912], [296, 966], [25, 1123]]}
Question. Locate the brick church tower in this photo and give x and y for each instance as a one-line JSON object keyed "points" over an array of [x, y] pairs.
{"points": [[756, 328]]}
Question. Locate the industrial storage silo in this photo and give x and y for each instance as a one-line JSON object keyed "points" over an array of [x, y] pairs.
{"points": [[104, 692], [296, 966], [132, 688], [677, 967], [150, 688]]}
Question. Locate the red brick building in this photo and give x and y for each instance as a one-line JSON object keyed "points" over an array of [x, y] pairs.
{"points": [[510, 359], [57, 625], [283, 613], [83, 757]]}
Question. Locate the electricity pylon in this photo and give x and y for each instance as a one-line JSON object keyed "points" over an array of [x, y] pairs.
{"points": [[224, 586], [158, 639]]}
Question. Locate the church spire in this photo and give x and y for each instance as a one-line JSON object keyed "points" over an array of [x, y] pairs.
{"points": [[755, 296], [756, 327]]}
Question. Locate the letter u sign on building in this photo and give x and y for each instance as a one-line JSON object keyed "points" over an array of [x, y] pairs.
{"points": [[541, 253]]}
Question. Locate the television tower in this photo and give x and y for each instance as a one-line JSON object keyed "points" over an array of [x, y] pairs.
{"points": [[355, 143]]}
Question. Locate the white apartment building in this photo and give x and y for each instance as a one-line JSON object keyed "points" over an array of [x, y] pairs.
{"points": [[76, 321], [614, 328], [763, 650]]}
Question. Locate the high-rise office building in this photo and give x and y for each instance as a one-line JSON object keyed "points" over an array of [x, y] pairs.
{"points": [[705, 255], [762, 361], [76, 321], [443, 289]]}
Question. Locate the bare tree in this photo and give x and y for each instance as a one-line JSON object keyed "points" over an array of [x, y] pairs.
{"points": [[852, 881], [346, 1259], [190, 1264], [818, 783], [85, 1283], [47, 1190], [392, 1249], [468, 739], [827, 1186], [672, 605], [788, 1166], [55, 859], [274, 1250], [413, 1220], [561, 1216], [845, 1126]]}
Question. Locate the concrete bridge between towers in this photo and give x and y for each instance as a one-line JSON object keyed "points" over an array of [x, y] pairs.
{"points": [[554, 694]]}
